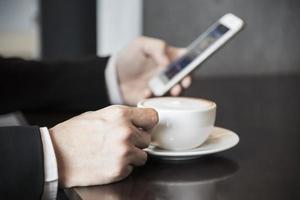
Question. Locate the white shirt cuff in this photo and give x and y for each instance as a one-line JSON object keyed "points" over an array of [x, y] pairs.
{"points": [[50, 190], [50, 163], [112, 84]]}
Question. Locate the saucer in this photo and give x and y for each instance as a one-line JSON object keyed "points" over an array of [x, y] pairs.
{"points": [[219, 140]]}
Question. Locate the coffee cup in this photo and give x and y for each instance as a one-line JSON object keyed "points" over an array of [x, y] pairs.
{"points": [[184, 123]]}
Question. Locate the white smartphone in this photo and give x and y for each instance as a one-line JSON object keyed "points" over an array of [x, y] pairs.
{"points": [[204, 46]]}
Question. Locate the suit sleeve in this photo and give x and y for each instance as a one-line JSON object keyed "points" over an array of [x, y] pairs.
{"points": [[57, 86], [21, 167]]}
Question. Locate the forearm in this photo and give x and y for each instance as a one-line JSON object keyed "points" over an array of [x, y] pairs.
{"points": [[68, 86], [28, 162], [22, 163]]}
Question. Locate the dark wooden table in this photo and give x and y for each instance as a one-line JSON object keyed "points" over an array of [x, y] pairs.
{"points": [[264, 111]]}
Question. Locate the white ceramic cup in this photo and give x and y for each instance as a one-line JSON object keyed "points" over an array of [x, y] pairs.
{"points": [[184, 123]]}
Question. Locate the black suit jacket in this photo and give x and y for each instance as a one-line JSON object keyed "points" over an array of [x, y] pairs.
{"points": [[32, 85]]}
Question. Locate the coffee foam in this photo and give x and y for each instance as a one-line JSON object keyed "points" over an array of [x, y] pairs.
{"points": [[177, 103]]}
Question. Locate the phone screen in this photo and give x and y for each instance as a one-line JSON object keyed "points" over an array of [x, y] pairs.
{"points": [[194, 51]]}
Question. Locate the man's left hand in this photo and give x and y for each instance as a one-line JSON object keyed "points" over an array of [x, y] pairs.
{"points": [[139, 62]]}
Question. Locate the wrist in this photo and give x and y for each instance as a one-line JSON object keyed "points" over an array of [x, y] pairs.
{"points": [[53, 135]]}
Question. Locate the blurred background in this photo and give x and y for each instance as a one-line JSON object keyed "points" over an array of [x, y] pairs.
{"points": [[66, 29], [254, 79]]}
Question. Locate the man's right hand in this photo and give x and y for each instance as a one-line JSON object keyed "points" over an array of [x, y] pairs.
{"points": [[103, 146]]}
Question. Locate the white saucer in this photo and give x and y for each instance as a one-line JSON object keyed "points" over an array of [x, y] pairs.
{"points": [[219, 140]]}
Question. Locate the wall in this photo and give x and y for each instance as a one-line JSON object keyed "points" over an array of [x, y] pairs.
{"points": [[268, 45], [19, 30], [118, 23], [68, 28]]}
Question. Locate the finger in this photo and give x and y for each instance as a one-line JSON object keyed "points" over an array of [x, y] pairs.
{"points": [[176, 90], [129, 169], [145, 118], [125, 172], [147, 93], [141, 139], [138, 157], [156, 49], [174, 52], [186, 82]]}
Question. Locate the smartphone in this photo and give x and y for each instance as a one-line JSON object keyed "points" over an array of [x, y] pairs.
{"points": [[197, 52]]}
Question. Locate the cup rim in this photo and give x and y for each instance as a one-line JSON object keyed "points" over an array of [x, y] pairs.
{"points": [[211, 107]]}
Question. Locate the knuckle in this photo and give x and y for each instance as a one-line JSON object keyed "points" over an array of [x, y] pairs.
{"points": [[161, 43], [119, 111], [140, 39], [126, 133], [141, 158], [119, 171], [117, 108], [145, 139], [144, 157], [87, 113], [116, 172], [124, 152]]}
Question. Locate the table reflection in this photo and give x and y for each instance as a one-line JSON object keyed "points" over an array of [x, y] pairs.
{"points": [[194, 179]]}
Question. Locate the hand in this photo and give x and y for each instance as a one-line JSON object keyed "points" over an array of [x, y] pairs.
{"points": [[139, 62], [103, 146]]}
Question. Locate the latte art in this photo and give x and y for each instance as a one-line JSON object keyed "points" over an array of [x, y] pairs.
{"points": [[179, 103]]}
